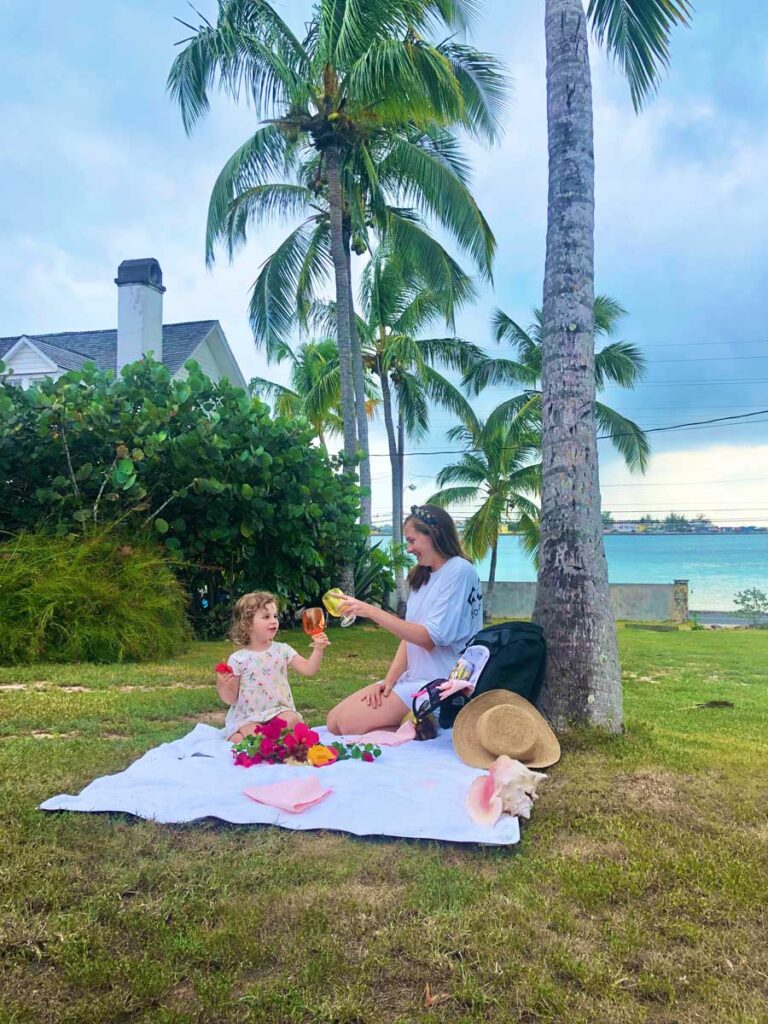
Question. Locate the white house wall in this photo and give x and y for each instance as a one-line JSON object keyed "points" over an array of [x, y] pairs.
{"points": [[25, 361], [207, 361]]}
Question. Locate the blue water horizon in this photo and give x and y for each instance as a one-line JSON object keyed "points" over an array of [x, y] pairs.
{"points": [[716, 566]]}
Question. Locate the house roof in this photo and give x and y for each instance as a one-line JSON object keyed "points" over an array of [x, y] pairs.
{"points": [[70, 349]]}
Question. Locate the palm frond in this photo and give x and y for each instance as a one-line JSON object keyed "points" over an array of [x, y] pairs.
{"points": [[529, 531], [452, 353], [453, 496], [621, 362], [473, 474], [262, 157], [273, 300], [412, 404], [521, 413], [250, 48], [626, 436], [486, 373], [405, 80], [481, 530], [484, 86], [607, 314], [259, 205], [428, 183], [636, 34], [440, 390], [315, 270]]}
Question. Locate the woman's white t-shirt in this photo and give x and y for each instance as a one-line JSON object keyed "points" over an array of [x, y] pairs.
{"points": [[450, 606]]}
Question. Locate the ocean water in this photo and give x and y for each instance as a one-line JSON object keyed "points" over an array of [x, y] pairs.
{"points": [[716, 565]]}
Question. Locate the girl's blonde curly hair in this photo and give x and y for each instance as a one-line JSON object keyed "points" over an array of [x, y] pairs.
{"points": [[243, 613]]}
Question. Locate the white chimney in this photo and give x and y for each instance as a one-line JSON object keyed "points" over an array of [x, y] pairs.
{"points": [[139, 311]]}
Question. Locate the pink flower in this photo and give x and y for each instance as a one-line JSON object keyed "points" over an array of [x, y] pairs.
{"points": [[268, 747], [273, 729], [289, 740], [367, 756], [223, 667], [306, 736]]}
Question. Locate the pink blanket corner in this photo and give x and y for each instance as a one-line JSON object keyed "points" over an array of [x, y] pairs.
{"points": [[292, 795], [385, 738]]}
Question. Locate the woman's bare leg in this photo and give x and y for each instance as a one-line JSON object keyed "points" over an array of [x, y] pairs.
{"points": [[354, 716]]}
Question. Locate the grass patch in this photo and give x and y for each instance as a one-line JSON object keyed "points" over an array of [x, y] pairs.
{"points": [[636, 895], [88, 598]]}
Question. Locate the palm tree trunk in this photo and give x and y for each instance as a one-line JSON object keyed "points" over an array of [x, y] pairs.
{"points": [[583, 681], [358, 377], [341, 273], [488, 597], [399, 504], [397, 484]]}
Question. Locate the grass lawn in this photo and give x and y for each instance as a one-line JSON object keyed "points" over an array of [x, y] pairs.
{"points": [[638, 892]]}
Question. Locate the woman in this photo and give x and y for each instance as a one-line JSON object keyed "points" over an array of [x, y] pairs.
{"points": [[444, 611]]}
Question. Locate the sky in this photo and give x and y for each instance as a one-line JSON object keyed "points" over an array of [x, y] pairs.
{"points": [[96, 168]]}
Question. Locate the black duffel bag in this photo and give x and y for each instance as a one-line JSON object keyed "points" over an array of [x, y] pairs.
{"points": [[516, 663]]}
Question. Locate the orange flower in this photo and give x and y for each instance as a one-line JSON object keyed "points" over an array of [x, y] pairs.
{"points": [[319, 755]]}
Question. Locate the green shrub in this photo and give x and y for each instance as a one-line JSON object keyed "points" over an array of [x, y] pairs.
{"points": [[93, 598], [243, 500]]}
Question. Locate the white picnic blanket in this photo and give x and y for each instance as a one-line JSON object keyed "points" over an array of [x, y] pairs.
{"points": [[415, 790]]}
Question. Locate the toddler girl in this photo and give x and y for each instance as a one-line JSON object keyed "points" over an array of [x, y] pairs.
{"points": [[257, 688]]}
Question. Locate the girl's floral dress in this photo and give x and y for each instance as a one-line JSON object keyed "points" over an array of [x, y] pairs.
{"points": [[264, 690]]}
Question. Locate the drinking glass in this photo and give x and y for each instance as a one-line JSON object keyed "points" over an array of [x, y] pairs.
{"points": [[333, 600], [313, 621]]}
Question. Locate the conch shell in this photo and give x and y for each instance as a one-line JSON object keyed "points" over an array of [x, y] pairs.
{"points": [[509, 787]]}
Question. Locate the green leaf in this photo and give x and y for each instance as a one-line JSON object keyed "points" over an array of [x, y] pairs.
{"points": [[247, 491], [81, 515], [124, 467], [161, 526], [246, 530]]}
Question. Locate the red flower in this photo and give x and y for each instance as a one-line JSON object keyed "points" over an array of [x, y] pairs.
{"points": [[367, 756], [273, 729], [306, 736], [223, 667], [289, 740], [267, 748]]}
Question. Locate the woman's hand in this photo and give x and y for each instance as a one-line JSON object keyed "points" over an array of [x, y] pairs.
{"points": [[375, 694], [351, 606]]}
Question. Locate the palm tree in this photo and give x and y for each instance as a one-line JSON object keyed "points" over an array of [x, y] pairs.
{"points": [[619, 362], [362, 70], [583, 679], [398, 305], [496, 472], [315, 389], [399, 300]]}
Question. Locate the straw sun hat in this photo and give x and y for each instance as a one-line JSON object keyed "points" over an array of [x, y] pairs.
{"points": [[500, 722]]}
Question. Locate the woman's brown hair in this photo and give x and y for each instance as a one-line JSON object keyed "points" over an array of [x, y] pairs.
{"points": [[243, 613], [437, 524]]}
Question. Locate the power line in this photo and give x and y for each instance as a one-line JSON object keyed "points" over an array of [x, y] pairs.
{"points": [[692, 425]]}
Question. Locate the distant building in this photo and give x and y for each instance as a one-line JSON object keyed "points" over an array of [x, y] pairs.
{"points": [[140, 330]]}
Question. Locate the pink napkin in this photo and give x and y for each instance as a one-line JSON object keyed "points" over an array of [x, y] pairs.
{"points": [[294, 796], [383, 738]]}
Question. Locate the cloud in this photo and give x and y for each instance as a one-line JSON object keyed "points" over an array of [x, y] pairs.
{"points": [[725, 482]]}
